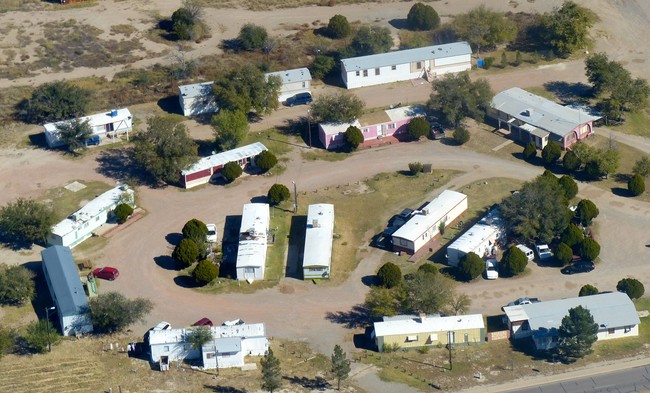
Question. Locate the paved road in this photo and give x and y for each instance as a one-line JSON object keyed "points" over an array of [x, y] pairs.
{"points": [[631, 380]]}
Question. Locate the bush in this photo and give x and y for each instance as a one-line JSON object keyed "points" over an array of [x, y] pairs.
{"points": [[278, 193], [195, 230], [642, 166], [205, 271], [589, 249], [322, 66], [636, 185], [517, 62], [36, 336], [122, 212], [231, 171], [471, 266], [338, 27], [6, 341], [530, 151], [353, 137], [572, 235], [632, 287], [418, 128], [422, 17], [370, 40], [16, 285], [112, 312], [488, 62], [187, 252], [586, 212], [570, 161], [514, 261], [390, 275], [461, 135], [428, 268], [569, 186], [266, 160], [252, 37], [415, 168], [563, 253], [588, 290], [551, 153]]}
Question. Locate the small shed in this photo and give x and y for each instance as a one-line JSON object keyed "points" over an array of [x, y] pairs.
{"points": [[197, 99]]}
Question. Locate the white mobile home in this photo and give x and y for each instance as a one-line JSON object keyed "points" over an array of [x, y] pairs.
{"points": [[67, 291], [427, 62], [480, 239], [80, 225], [293, 82], [317, 257], [251, 251], [197, 99], [424, 224], [107, 124]]}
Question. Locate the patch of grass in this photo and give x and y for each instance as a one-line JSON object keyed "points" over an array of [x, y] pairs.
{"points": [[65, 202], [322, 154], [278, 143], [126, 30], [636, 123], [13, 316], [542, 92]]}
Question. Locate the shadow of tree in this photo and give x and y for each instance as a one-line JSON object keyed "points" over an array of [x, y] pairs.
{"points": [[622, 192], [170, 105], [224, 389], [186, 282], [398, 23], [370, 281], [317, 383], [118, 164], [569, 92], [168, 263], [174, 238], [357, 317]]}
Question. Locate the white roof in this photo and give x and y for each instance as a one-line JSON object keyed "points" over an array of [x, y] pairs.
{"points": [[196, 90], [437, 210], [416, 324], [225, 157], [406, 56], [90, 210], [98, 119], [337, 128], [318, 237], [476, 235], [370, 119], [251, 251], [540, 112], [170, 336], [290, 76], [405, 112]]}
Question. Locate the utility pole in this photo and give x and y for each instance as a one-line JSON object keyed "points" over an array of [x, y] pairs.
{"points": [[295, 198], [309, 126], [450, 339], [47, 324]]}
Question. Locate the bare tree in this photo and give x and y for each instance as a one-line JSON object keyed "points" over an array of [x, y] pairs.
{"points": [[195, 9]]}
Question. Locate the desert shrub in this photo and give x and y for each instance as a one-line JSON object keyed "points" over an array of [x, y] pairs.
{"points": [[569, 186], [514, 261], [588, 290], [563, 253], [205, 271], [636, 185], [589, 249], [390, 275], [278, 193], [418, 128], [471, 266], [530, 151], [266, 160], [461, 135], [415, 168], [187, 252]]}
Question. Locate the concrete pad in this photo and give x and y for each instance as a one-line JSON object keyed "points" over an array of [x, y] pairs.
{"points": [[75, 186]]}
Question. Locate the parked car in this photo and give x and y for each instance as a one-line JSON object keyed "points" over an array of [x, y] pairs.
{"points": [[437, 132], [162, 326], [212, 233], [543, 252], [106, 273], [300, 99], [491, 269], [203, 322], [93, 140], [529, 253], [522, 300], [579, 267]]}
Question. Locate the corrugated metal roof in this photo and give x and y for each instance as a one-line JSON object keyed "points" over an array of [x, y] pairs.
{"points": [[406, 56], [64, 281], [417, 325], [318, 237], [98, 119], [251, 251], [170, 336], [196, 90], [291, 76], [225, 157]]}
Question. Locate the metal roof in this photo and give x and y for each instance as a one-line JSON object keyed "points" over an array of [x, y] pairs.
{"points": [[225, 157], [485, 228], [196, 90], [437, 209], [540, 112], [170, 336], [416, 324], [406, 56], [318, 237], [337, 128], [223, 345], [251, 251], [98, 119], [291, 76], [405, 112], [64, 281]]}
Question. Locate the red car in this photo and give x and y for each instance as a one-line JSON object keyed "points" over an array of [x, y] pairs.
{"points": [[203, 322], [107, 273]]}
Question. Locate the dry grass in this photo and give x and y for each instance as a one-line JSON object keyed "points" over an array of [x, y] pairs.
{"points": [[263, 5], [65, 202]]}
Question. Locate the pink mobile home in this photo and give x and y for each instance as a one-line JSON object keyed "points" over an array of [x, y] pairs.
{"points": [[391, 122]]}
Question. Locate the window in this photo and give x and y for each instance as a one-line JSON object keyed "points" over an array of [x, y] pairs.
{"points": [[357, 73], [611, 331], [628, 329], [418, 65], [393, 67], [304, 84], [249, 270], [209, 355], [376, 71], [410, 339], [166, 348], [365, 73], [391, 126], [433, 337], [365, 130]]}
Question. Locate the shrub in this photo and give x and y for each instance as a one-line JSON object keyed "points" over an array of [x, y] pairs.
{"points": [[16, 285], [572, 235], [36, 336], [187, 252], [415, 168], [636, 185], [471, 266], [488, 62], [563, 253], [586, 212], [353, 137], [390, 275], [642, 166], [25, 222], [122, 212], [530, 151], [113, 312], [428, 268], [589, 249], [422, 17], [517, 62], [569, 186], [514, 261], [231, 171], [632, 287], [551, 153], [461, 135], [252, 37], [418, 128], [195, 230], [278, 193], [205, 271], [570, 161], [338, 27], [266, 160], [322, 66], [588, 290]]}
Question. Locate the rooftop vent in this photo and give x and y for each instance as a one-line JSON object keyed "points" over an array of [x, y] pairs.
{"points": [[113, 112]]}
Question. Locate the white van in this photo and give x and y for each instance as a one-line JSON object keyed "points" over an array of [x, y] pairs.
{"points": [[529, 253]]}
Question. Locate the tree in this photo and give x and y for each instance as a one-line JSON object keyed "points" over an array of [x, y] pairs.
{"points": [[278, 193], [164, 149], [381, 302], [504, 59], [271, 372], [186, 252], [518, 60], [471, 266], [566, 29], [16, 285], [230, 128], [428, 268], [632, 287], [418, 127], [422, 17], [372, 40], [484, 28], [459, 303], [322, 66], [353, 137], [612, 110], [112, 312], [199, 337], [415, 168], [6, 341], [636, 185], [205, 272], [55, 101], [461, 135], [588, 290], [427, 293], [340, 365], [588, 249], [74, 134], [586, 212], [563, 253], [246, 89], [390, 275], [577, 333], [572, 235], [530, 151], [457, 97], [338, 27], [195, 230], [231, 171], [642, 167], [583, 152], [266, 160], [122, 212], [37, 339], [569, 186], [252, 37], [337, 108], [514, 261], [187, 21], [25, 222], [551, 153], [570, 161]]}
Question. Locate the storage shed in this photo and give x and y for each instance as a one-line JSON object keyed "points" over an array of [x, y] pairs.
{"points": [[251, 250], [197, 99], [317, 257], [104, 125]]}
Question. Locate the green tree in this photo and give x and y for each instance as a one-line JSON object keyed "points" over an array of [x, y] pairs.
{"points": [[322, 66], [25, 222], [551, 153], [484, 28], [418, 128], [16, 285], [583, 152], [586, 212], [337, 108], [205, 272], [112, 312], [252, 37], [636, 185], [577, 333], [186, 252], [353, 137], [612, 110], [514, 261], [530, 151], [122, 212], [461, 135], [266, 160], [428, 268], [200, 336], [340, 366], [422, 17], [642, 167], [195, 230], [245, 89], [74, 134], [230, 128], [338, 27], [566, 29], [457, 97], [588, 249], [390, 275], [381, 302], [588, 290], [569, 186], [37, 339], [504, 59], [518, 61], [271, 372], [415, 168], [164, 149], [231, 171], [563, 253], [572, 235], [632, 287], [371, 40], [278, 193], [427, 293], [571, 162], [187, 22], [6, 341], [471, 266], [55, 101]]}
